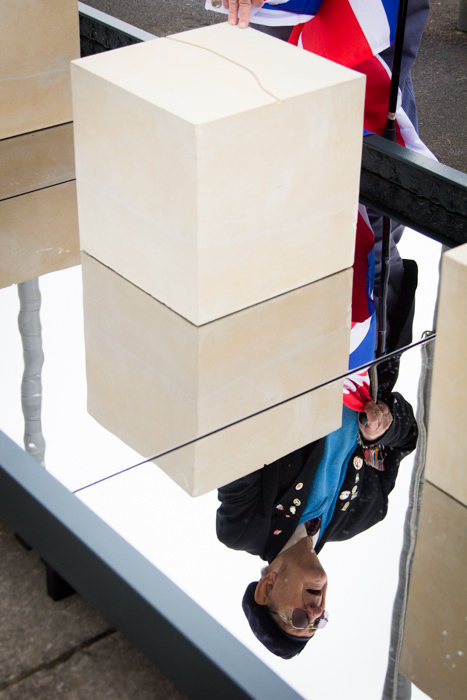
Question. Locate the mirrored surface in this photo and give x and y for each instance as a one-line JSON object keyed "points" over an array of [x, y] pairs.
{"points": [[176, 532]]}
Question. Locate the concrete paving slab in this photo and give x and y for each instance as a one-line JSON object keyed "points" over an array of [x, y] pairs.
{"points": [[110, 669], [159, 17], [440, 83], [33, 629]]}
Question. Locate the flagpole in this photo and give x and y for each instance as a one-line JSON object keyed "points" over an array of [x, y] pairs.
{"points": [[390, 134], [390, 130]]}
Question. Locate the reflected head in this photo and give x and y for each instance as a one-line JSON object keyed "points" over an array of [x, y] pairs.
{"points": [[266, 630]]}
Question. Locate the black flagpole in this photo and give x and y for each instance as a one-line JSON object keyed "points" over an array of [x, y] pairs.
{"points": [[390, 133]]}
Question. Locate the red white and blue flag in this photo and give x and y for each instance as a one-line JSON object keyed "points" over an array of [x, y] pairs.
{"points": [[377, 17], [349, 31], [363, 326]]}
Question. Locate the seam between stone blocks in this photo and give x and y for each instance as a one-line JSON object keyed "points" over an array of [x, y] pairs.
{"points": [[35, 75], [58, 661], [37, 189], [235, 63]]}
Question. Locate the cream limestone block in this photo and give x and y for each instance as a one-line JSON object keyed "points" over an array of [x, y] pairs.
{"points": [[38, 39], [434, 650], [237, 170], [36, 160], [156, 380], [447, 445], [38, 233]]}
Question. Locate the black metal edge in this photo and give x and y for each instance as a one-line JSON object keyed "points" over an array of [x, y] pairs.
{"points": [[102, 32], [415, 190], [175, 633], [417, 160]]}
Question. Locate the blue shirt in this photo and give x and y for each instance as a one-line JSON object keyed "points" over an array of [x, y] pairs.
{"points": [[329, 477]]}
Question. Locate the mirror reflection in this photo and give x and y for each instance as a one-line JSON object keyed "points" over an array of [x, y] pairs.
{"points": [[330, 490]]}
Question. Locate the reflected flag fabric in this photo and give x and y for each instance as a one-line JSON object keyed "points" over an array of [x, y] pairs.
{"points": [[363, 326]]}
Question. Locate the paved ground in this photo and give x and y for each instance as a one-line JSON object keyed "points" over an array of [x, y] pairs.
{"points": [[67, 650], [64, 650], [440, 82]]}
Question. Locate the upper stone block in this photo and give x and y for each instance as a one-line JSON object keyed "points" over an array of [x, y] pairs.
{"points": [[37, 42], [217, 168]]}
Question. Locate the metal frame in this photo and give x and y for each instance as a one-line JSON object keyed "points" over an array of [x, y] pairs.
{"points": [[101, 32], [414, 190], [158, 618]]}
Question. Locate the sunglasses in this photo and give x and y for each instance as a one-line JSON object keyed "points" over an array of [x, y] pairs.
{"points": [[300, 620]]}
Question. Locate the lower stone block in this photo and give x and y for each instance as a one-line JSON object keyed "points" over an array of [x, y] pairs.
{"points": [[38, 233], [157, 381]]}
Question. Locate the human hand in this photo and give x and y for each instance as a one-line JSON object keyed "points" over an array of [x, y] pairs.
{"points": [[239, 10], [379, 419]]}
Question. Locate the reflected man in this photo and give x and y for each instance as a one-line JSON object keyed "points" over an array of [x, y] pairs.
{"points": [[329, 490]]}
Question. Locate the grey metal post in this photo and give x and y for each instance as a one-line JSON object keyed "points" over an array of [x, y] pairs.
{"points": [[31, 385]]}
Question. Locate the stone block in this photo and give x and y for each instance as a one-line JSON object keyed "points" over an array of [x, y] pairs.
{"points": [[38, 233], [156, 381], [434, 649], [237, 170], [446, 449], [36, 160], [38, 40]]}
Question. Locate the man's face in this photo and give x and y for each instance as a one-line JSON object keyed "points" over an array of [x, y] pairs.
{"points": [[297, 581]]}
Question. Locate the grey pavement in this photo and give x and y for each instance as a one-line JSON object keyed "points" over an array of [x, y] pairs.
{"points": [[160, 17], [440, 84], [64, 650], [67, 650]]}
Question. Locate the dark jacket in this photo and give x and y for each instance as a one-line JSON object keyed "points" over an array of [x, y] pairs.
{"points": [[255, 515]]}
